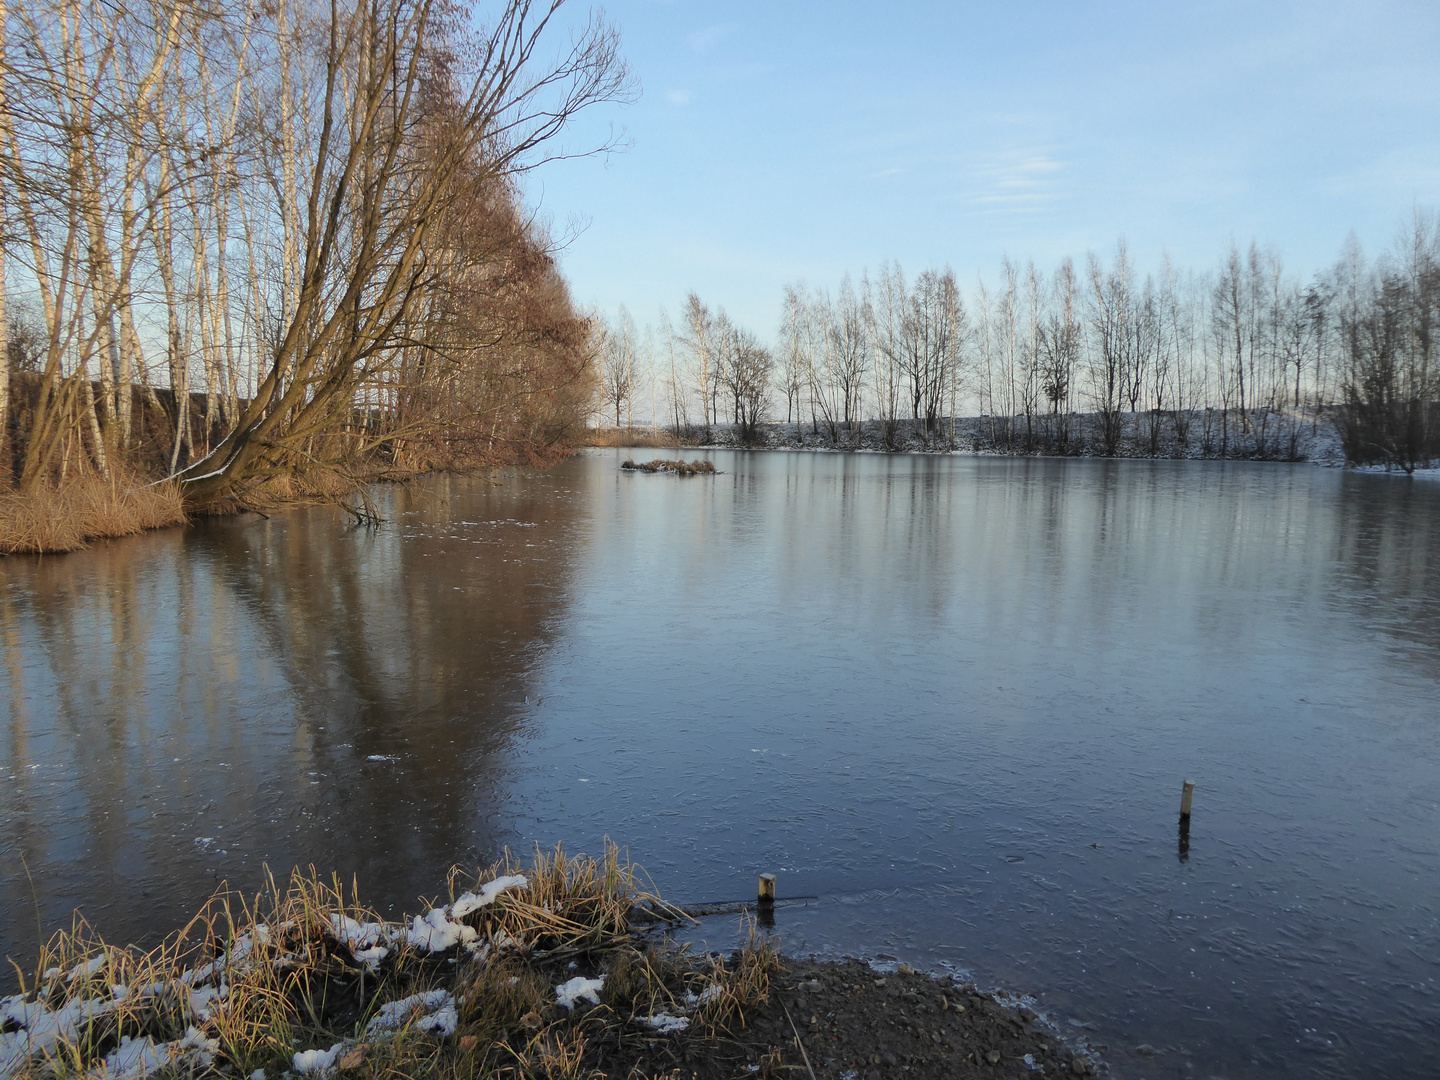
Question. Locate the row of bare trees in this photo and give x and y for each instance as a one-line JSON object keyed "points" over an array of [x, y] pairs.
{"points": [[713, 372], [1243, 361], [263, 238]]}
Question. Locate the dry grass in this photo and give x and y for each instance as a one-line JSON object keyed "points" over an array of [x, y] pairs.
{"points": [[630, 436], [250, 983], [62, 519], [679, 468]]}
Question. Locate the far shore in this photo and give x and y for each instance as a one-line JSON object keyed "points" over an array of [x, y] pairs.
{"points": [[1260, 435]]}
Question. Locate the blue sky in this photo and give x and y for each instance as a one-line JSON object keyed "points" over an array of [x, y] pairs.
{"points": [[785, 141]]}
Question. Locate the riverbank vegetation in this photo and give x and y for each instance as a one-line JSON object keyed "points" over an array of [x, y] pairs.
{"points": [[651, 438], [256, 249], [552, 970], [1246, 360], [62, 518], [304, 979]]}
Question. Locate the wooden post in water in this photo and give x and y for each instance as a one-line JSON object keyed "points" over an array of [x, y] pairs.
{"points": [[767, 890], [1187, 793]]}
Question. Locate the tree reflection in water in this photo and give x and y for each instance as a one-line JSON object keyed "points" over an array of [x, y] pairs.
{"points": [[185, 706]]}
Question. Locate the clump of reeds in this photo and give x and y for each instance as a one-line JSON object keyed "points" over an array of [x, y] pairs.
{"points": [[54, 519], [630, 436], [303, 979], [680, 468]]}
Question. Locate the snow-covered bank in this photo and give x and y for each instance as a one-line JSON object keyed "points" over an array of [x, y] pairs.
{"points": [[61, 1011], [1264, 435]]}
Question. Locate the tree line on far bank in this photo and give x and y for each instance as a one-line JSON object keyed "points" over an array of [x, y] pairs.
{"points": [[1241, 361], [280, 242]]}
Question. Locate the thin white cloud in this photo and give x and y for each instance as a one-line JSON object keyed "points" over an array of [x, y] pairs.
{"points": [[1016, 180], [707, 39], [679, 98]]}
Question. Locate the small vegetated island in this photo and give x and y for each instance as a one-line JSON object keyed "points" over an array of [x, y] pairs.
{"points": [[558, 969], [679, 468]]}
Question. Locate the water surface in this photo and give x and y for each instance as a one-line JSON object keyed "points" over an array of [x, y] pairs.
{"points": [[954, 698]]}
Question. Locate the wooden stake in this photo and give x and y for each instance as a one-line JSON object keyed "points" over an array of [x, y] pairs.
{"points": [[767, 888], [1186, 794]]}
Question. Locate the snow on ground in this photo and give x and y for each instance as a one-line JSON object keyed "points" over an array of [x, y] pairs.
{"points": [[470, 902], [136, 1058], [431, 1011], [578, 989], [709, 994], [39, 1031], [1274, 434], [314, 1061], [666, 1024]]}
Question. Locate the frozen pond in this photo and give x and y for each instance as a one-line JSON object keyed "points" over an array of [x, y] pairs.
{"points": [[952, 698]]}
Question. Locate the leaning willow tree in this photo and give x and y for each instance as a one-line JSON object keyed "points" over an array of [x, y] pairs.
{"points": [[291, 228]]}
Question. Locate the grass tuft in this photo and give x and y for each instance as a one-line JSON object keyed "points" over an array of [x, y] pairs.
{"points": [[63, 519], [303, 966]]}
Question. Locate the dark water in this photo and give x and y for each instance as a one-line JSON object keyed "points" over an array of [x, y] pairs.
{"points": [[952, 698]]}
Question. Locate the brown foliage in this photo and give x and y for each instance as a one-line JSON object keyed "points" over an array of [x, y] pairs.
{"points": [[651, 438]]}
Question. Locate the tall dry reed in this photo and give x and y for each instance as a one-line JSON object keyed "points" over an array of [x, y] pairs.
{"points": [[303, 978], [54, 519], [630, 436]]}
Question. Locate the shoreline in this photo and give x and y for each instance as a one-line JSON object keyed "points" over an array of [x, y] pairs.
{"points": [[69, 518], [1290, 435], [526, 971]]}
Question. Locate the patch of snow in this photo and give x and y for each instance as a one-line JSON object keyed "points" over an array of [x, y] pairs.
{"points": [[436, 933], [85, 970], [134, 1059], [371, 957], [238, 956], [579, 989], [40, 1030], [431, 1011], [356, 934], [667, 1024], [471, 902], [709, 994], [314, 1061], [204, 1000]]}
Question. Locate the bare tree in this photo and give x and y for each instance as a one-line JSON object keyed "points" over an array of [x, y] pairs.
{"points": [[747, 379], [793, 365], [1388, 322], [888, 308], [1058, 341], [1110, 317], [702, 341], [616, 348]]}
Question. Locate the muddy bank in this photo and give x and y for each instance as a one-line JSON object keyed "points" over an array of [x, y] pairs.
{"points": [[847, 1021]]}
